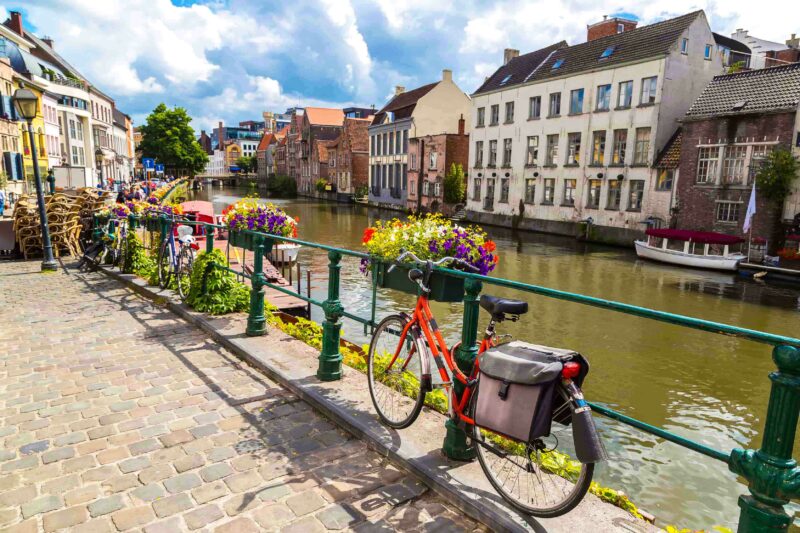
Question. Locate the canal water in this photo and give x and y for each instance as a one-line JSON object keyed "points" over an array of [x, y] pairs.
{"points": [[710, 388]]}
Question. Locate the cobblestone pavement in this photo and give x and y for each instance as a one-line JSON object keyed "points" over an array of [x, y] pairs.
{"points": [[118, 416]]}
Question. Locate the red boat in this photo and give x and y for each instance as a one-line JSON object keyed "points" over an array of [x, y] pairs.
{"points": [[199, 211]]}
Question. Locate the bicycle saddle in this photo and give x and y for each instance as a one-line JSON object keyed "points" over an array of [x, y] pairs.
{"points": [[499, 307]]}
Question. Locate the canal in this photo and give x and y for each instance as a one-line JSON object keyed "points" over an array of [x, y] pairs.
{"points": [[706, 387]]}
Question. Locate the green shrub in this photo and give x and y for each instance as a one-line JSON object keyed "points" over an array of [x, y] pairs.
{"points": [[222, 294], [282, 186], [455, 185], [321, 184], [136, 259]]}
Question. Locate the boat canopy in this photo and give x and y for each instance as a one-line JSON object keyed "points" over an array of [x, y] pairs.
{"points": [[704, 237]]}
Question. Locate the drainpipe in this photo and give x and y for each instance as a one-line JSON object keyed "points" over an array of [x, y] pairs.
{"points": [[419, 175]]}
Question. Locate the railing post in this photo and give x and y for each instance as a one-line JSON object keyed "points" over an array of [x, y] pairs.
{"points": [[455, 441], [330, 359], [772, 473], [209, 238], [256, 321], [97, 234]]}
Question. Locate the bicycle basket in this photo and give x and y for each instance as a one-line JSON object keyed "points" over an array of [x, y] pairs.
{"points": [[516, 392]]}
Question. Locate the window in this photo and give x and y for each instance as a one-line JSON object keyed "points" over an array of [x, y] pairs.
{"points": [[549, 191], [635, 194], [598, 147], [707, 53], [505, 80], [727, 211], [385, 144], [552, 150], [490, 189], [72, 130], [504, 190], [684, 46], [648, 91], [476, 189], [555, 105], [707, 162], [620, 145], [625, 94], [614, 193], [492, 153], [593, 201], [576, 102], [506, 152], [530, 190], [391, 142], [398, 140], [495, 115], [405, 141], [573, 148], [557, 64], [569, 192], [620, 28], [478, 153], [384, 175], [534, 107], [607, 52], [760, 151], [432, 160], [509, 112], [532, 155], [603, 97], [733, 164], [664, 179], [642, 147], [372, 145], [479, 122]]}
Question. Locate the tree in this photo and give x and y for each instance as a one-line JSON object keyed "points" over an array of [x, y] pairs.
{"points": [[776, 174], [168, 138], [454, 185], [247, 163]]}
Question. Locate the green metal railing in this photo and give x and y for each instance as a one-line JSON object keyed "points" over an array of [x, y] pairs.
{"points": [[771, 472]]}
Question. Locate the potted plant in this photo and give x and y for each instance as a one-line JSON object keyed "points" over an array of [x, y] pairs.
{"points": [[430, 237], [250, 215]]}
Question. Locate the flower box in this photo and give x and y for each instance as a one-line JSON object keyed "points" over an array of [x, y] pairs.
{"points": [[247, 241], [443, 288]]}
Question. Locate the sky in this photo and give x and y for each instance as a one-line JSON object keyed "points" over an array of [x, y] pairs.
{"points": [[230, 60]]}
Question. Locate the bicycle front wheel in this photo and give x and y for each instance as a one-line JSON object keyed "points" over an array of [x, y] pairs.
{"points": [[541, 477], [164, 264], [183, 273], [394, 372]]}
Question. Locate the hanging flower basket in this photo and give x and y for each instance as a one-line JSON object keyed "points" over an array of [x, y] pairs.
{"points": [[248, 241], [443, 288], [250, 215]]}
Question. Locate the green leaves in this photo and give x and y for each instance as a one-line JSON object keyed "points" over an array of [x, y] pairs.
{"points": [[777, 172], [455, 185], [281, 186], [169, 139], [214, 290], [247, 163]]}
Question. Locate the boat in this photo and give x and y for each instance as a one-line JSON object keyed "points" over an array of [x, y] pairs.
{"points": [[696, 249], [364, 200], [199, 211], [284, 253]]}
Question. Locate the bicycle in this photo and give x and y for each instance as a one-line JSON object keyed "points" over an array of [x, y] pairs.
{"points": [[177, 260], [100, 252], [530, 472], [120, 256]]}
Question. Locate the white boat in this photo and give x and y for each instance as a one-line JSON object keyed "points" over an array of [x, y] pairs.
{"points": [[696, 249], [284, 253]]}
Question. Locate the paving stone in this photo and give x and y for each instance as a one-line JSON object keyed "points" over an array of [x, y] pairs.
{"points": [[144, 446], [239, 525], [309, 524], [16, 497], [204, 431], [203, 516], [34, 447], [190, 462], [182, 482], [65, 518], [149, 492], [241, 503], [40, 505], [99, 474], [78, 463], [62, 484], [112, 456], [270, 516], [172, 504], [215, 472], [274, 492], [71, 438], [339, 517], [133, 464], [132, 517], [155, 473], [122, 406], [305, 502], [242, 482], [21, 464], [221, 454], [106, 505], [120, 483], [209, 492], [175, 438], [82, 495]]}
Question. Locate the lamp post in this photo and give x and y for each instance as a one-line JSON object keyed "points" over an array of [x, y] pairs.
{"points": [[27, 103]]}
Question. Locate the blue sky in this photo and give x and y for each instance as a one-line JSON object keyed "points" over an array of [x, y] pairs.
{"points": [[230, 60]]}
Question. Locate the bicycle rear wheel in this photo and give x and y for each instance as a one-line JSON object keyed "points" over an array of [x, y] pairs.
{"points": [[164, 264], [542, 477], [395, 383], [183, 273]]}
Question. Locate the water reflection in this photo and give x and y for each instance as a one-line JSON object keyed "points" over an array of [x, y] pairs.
{"points": [[711, 388]]}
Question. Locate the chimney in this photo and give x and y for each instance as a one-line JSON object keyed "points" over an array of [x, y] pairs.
{"points": [[509, 54], [16, 22], [793, 42], [48, 41], [399, 89], [609, 26], [447, 75], [461, 125]]}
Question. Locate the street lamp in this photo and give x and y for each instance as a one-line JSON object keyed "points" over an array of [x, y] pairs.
{"points": [[27, 103]]}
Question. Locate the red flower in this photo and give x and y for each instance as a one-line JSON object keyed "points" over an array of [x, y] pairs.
{"points": [[496, 259], [368, 233], [294, 231], [489, 246]]}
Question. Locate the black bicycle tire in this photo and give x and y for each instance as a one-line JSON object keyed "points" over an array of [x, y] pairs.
{"points": [[186, 251], [569, 504], [420, 401], [163, 277]]}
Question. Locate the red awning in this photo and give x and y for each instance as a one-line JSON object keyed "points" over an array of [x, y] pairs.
{"points": [[704, 237]]}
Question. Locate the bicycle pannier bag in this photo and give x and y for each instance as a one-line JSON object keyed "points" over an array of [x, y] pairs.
{"points": [[517, 388]]}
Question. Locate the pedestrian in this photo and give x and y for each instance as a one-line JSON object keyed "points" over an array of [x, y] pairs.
{"points": [[2, 202]]}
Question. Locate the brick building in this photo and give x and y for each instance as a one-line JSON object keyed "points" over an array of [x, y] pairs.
{"points": [[319, 124], [431, 157], [348, 159], [730, 128]]}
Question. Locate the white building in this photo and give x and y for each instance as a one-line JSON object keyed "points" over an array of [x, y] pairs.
{"points": [[121, 143], [758, 47], [51, 131], [216, 164], [570, 133], [102, 107], [249, 147]]}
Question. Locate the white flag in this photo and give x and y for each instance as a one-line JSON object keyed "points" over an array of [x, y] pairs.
{"points": [[751, 210]]}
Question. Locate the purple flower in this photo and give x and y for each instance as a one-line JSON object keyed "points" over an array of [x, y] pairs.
{"points": [[433, 247]]}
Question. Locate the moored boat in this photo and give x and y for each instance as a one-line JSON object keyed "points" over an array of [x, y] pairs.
{"points": [[284, 253], [199, 211], [696, 249]]}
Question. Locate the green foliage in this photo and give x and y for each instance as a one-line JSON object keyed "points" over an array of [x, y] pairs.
{"points": [[778, 170], [455, 185], [169, 139], [222, 294], [321, 184], [136, 259], [736, 67], [281, 186], [674, 529], [247, 163], [3, 180], [362, 191]]}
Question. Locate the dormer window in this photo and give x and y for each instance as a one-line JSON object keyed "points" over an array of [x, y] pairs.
{"points": [[505, 80], [557, 64], [620, 28], [607, 52]]}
